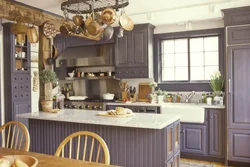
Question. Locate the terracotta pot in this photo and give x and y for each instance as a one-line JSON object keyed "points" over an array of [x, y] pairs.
{"points": [[178, 99], [169, 99], [47, 105]]}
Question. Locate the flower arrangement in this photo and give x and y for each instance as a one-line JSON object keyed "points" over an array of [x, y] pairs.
{"points": [[217, 82], [153, 84], [169, 97]]}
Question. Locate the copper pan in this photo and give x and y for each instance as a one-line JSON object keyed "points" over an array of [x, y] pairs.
{"points": [[108, 16], [126, 23], [65, 29]]}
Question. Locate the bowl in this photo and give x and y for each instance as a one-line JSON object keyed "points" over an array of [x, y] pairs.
{"points": [[108, 96], [71, 74], [29, 160]]}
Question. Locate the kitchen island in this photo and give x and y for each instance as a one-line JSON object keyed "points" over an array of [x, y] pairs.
{"points": [[144, 140]]}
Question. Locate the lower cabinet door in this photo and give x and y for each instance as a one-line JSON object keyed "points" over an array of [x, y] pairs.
{"points": [[177, 127], [194, 139], [239, 145], [170, 163], [170, 141], [21, 107], [177, 159]]}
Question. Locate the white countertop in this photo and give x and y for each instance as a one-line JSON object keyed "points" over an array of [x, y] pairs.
{"points": [[139, 120], [164, 104]]}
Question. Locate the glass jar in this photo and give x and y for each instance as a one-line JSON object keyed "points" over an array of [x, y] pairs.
{"points": [[60, 100]]}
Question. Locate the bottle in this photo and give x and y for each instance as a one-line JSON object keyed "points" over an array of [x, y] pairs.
{"points": [[67, 93]]}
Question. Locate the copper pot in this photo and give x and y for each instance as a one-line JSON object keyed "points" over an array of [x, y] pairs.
{"points": [[65, 29], [108, 16], [32, 35], [78, 20], [93, 28]]}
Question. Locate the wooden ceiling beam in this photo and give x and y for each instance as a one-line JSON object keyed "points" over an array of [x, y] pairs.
{"points": [[11, 9]]}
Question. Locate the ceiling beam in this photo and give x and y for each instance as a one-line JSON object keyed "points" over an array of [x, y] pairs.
{"points": [[11, 9]]}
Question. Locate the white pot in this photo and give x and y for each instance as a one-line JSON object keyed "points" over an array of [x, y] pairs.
{"points": [[160, 99], [108, 96]]}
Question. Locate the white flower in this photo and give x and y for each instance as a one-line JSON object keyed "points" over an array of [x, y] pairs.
{"points": [[217, 74], [153, 84]]}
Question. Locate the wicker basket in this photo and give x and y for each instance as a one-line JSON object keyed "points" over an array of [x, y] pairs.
{"points": [[47, 105], [19, 26]]}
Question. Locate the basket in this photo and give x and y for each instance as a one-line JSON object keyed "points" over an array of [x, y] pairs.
{"points": [[47, 105], [19, 26]]}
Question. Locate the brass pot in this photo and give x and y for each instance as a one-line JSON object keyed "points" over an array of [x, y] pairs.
{"points": [[32, 35], [78, 20], [93, 28], [65, 29], [108, 16]]}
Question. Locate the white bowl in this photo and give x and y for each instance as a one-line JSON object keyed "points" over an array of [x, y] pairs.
{"points": [[71, 75], [108, 96]]}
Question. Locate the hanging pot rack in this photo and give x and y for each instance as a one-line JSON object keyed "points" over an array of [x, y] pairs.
{"points": [[85, 6]]}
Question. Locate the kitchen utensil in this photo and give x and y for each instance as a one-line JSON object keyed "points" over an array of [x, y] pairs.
{"points": [[93, 28], [126, 23], [108, 16], [108, 96], [108, 32], [49, 30], [53, 54], [71, 74], [88, 20], [65, 29], [32, 35], [98, 19], [78, 20]]}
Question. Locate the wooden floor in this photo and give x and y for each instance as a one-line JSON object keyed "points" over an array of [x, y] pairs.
{"points": [[216, 164]]}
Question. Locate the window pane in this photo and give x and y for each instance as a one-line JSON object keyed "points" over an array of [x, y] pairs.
{"points": [[168, 74], [181, 59], [209, 70], [197, 73], [168, 46], [211, 58], [196, 44], [168, 60], [211, 43], [181, 73], [181, 46], [196, 59]]}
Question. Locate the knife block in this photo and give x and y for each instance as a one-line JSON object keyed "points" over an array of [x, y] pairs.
{"points": [[133, 99]]}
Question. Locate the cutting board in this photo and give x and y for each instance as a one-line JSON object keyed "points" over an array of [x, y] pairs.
{"points": [[105, 114], [144, 90]]}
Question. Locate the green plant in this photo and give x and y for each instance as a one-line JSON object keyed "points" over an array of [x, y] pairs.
{"points": [[178, 95], [160, 92], [170, 95], [216, 82], [47, 76]]}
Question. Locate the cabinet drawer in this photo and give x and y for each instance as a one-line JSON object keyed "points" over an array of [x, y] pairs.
{"points": [[239, 145], [122, 73], [143, 72], [238, 35]]}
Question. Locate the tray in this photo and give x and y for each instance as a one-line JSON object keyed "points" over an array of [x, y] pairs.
{"points": [[105, 114]]}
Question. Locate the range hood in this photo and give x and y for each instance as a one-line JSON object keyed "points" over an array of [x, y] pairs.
{"points": [[100, 55]]}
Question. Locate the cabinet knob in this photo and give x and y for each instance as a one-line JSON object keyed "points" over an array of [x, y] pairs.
{"points": [[119, 72], [143, 72], [127, 72], [211, 117], [134, 72]]}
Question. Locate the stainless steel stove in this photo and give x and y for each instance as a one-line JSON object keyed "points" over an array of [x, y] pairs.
{"points": [[88, 104]]}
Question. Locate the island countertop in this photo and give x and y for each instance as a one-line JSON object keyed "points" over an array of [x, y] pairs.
{"points": [[139, 120]]}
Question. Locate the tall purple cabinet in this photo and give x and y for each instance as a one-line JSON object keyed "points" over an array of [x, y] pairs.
{"points": [[237, 24]]}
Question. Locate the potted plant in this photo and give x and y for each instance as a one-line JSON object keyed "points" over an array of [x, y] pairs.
{"points": [[152, 97], [47, 77], [169, 97], [160, 95], [217, 83], [178, 97]]}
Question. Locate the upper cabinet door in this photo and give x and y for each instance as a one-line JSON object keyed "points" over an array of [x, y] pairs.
{"points": [[123, 50], [238, 35], [238, 87], [139, 49]]}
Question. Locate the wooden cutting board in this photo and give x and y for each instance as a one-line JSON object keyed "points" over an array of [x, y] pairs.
{"points": [[105, 114], [144, 90]]}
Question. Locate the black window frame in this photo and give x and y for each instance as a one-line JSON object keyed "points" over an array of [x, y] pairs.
{"points": [[189, 85]]}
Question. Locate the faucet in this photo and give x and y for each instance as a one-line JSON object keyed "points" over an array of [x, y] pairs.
{"points": [[188, 97]]}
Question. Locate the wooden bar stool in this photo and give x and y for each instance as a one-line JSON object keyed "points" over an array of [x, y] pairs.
{"points": [[76, 139], [15, 135]]}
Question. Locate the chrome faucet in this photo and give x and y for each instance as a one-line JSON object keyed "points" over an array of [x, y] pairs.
{"points": [[188, 97]]}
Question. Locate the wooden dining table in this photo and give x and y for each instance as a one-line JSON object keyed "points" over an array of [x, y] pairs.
{"points": [[45, 160]]}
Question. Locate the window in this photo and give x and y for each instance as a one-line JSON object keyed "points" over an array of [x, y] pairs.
{"points": [[189, 59]]}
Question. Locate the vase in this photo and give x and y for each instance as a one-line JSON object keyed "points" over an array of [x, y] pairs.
{"points": [[154, 99], [160, 99], [169, 99]]}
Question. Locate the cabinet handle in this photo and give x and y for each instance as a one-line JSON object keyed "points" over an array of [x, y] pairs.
{"points": [[142, 72], [134, 72], [211, 117], [229, 86], [127, 72]]}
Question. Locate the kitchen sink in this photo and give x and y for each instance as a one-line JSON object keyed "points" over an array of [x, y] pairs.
{"points": [[190, 112]]}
